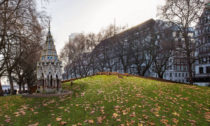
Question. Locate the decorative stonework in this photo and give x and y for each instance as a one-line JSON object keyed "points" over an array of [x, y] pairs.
{"points": [[49, 67]]}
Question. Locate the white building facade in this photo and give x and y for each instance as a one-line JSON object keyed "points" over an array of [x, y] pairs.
{"points": [[202, 65]]}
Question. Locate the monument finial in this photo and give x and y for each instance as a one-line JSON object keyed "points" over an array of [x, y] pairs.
{"points": [[49, 25]]}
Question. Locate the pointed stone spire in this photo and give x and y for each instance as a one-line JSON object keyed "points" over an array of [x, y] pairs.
{"points": [[49, 53], [49, 25]]}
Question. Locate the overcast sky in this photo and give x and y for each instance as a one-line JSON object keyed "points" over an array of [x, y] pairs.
{"points": [[75, 16]]}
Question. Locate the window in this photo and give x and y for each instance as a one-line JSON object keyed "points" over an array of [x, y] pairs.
{"points": [[174, 34], [200, 70], [204, 59], [208, 69], [182, 68], [209, 59], [175, 74], [42, 57], [170, 74], [179, 74], [208, 39], [178, 68]]}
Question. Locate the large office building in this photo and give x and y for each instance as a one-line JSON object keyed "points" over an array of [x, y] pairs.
{"points": [[202, 65]]}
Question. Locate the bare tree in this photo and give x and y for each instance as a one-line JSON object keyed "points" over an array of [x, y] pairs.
{"points": [[1, 91], [164, 48], [20, 27], [184, 14], [77, 57]]}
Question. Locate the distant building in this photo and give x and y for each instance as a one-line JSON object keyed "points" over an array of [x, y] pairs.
{"points": [[178, 70], [202, 65], [128, 52], [49, 67], [114, 54], [72, 36]]}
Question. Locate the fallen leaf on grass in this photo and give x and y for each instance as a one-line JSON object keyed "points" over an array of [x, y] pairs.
{"points": [[7, 120], [99, 119], [63, 123], [58, 119], [90, 121], [164, 121], [175, 120], [82, 94], [17, 114], [36, 124], [145, 116], [151, 123], [44, 104], [114, 115], [124, 112], [35, 113], [176, 114], [118, 120], [133, 114], [79, 124], [140, 124], [207, 116], [23, 112], [92, 112], [60, 107]]}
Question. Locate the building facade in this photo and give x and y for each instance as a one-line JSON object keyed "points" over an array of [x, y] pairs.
{"points": [[202, 65], [178, 68], [49, 67]]}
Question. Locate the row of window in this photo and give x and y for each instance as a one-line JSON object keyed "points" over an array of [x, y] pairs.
{"points": [[205, 49], [178, 74], [180, 67], [47, 63], [205, 19], [204, 60], [205, 39], [49, 57], [201, 70]]}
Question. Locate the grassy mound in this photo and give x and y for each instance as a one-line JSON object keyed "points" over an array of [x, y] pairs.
{"points": [[112, 100]]}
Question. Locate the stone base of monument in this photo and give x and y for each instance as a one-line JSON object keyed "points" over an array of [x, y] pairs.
{"points": [[41, 95], [48, 92]]}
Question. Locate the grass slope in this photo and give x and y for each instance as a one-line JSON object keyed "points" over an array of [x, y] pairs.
{"points": [[110, 100]]}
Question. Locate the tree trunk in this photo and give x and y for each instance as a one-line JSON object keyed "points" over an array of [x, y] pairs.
{"points": [[20, 89], [139, 70], [11, 83], [190, 70], [188, 52], [160, 75], [23, 88], [1, 91], [29, 88]]}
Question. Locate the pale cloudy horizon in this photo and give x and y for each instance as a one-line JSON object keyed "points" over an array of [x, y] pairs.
{"points": [[76, 16]]}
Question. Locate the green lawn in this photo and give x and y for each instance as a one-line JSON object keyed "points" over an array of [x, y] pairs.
{"points": [[110, 100]]}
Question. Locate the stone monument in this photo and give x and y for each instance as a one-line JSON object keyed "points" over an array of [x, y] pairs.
{"points": [[49, 67]]}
